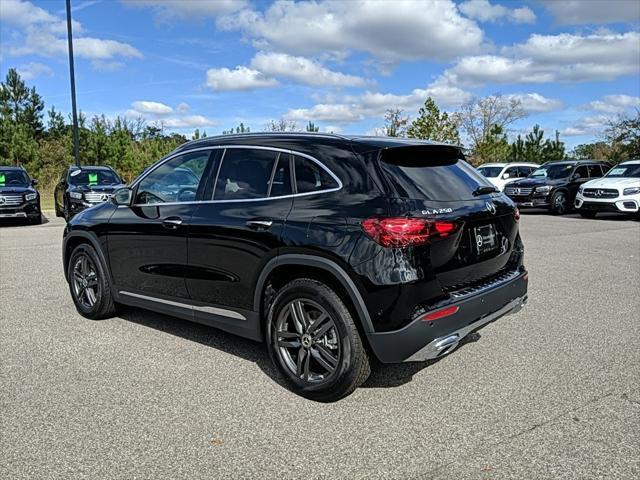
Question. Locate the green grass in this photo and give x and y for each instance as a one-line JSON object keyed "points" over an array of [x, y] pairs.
{"points": [[46, 200]]}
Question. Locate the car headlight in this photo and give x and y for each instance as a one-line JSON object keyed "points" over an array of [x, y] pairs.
{"points": [[543, 189], [580, 189], [30, 196], [76, 195], [631, 191]]}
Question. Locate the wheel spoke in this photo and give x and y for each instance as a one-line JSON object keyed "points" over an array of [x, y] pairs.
{"points": [[289, 343], [316, 323], [307, 360], [91, 296], [92, 280], [302, 316], [84, 267], [319, 358], [298, 321], [299, 364], [327, 355], [323, 331], [286, 334]]}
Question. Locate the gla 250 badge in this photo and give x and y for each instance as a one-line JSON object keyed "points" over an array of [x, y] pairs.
{"points": [[437, 211]]}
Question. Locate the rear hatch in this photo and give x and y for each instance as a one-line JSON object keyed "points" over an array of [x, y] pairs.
{"points": [[435, 183]]}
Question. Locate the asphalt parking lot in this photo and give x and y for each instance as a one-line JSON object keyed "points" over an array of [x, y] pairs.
{"points": [[551, 392]]}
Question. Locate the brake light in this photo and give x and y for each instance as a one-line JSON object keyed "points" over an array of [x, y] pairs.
{"points": [[399, 232], [516, 214], [445, 312]]}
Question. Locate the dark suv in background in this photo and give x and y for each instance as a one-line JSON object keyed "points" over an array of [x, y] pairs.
{"points": [[80, 188], [331, 249], [554, 185], [18, 195]]}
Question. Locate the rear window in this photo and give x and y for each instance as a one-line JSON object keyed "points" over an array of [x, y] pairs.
{"points": [[431, 173]]}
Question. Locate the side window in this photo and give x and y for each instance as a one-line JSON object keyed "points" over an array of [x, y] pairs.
{"points": [[512, 171], [311, 177], [595, 171], [581, 172], [281, 182], [177, 180], [244, 174], [526, 171]]}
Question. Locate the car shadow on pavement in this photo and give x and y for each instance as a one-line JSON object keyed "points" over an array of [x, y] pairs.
{"points": [[19, 222], [382, 375], [610, 216]]}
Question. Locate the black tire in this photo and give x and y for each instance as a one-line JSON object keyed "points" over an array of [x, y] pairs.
{"points": [[36, 220], [559, 203], [335, 361], [95, 301], [588, 214]]}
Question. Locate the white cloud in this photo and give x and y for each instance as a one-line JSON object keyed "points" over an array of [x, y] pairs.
{"points": [[45, 34], [182, 107], [302, 70], [553, 58], [152, 108], [31, 70], [189, 121], [592, 125], [240, 78], [167, 11], [404, 29], [614, 103], [484, 11], [536, 103], [352, 108], [106, 66], [577, 12]]}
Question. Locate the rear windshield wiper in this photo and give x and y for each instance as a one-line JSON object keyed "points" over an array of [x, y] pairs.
{"points": [[483, 190]]}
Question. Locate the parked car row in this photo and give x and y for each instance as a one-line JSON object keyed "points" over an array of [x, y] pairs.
{"points": [[588, 186]]}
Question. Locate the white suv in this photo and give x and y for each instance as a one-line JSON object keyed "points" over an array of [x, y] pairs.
{"points": [[502, 173], [618, 191]]}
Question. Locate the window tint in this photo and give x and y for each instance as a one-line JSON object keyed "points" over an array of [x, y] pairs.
{"points": [[595, 171], [512, 171], [281, 183], [311, 177], [177, 180], [244, 174], [582, 172], [89, 176], [526, 171]]}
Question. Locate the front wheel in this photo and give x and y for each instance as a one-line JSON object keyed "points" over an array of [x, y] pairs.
{"points": [[314, 342], [88, 284], [559, 203]]}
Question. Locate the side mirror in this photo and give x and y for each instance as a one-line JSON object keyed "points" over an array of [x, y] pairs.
{"points": [[34, 182], [575, 176], [505, 176], [122, 196]]}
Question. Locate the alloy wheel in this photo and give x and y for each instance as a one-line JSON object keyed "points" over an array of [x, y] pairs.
{"points": [[306, 341], [85, 281], [560, 203]]}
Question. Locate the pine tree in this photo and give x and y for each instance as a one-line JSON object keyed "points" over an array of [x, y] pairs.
{"points": [[431, 124]]}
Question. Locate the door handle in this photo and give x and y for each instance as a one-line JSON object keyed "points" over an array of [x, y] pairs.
{"points": [[172, 223], [259, 224]]}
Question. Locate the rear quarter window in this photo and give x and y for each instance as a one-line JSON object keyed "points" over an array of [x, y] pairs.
{"points": [[431, 173]]}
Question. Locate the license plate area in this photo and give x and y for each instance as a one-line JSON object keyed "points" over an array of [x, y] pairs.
{"points": [[484, 239]]}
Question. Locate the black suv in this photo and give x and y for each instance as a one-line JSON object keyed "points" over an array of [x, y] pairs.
{"points": [[82, 187], [332, 249], [18, 195], [554, 185]]}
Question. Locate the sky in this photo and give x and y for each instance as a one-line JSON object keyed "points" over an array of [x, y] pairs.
{"points": [[210, 65]]}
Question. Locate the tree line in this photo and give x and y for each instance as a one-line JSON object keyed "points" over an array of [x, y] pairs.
{"points": [[41, 141]]}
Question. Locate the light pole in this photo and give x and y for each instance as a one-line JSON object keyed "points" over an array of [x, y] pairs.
{"points": [[76, 145]]}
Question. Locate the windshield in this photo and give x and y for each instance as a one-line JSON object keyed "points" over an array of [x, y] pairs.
{"points": [[15, 178], [631, 170], [490, 172], [93, 177], [553, 172]]}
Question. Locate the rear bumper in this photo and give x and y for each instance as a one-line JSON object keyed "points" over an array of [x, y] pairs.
{"points": [[424, 340]]}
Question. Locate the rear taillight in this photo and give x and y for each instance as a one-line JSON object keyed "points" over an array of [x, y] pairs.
{"points": [[398, 232], [438, 314], [516, 214]]}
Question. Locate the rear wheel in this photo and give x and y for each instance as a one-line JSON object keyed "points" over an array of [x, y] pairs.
{"points": [[559, 204], [88, 284], [314, 342], [588, 214]]}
